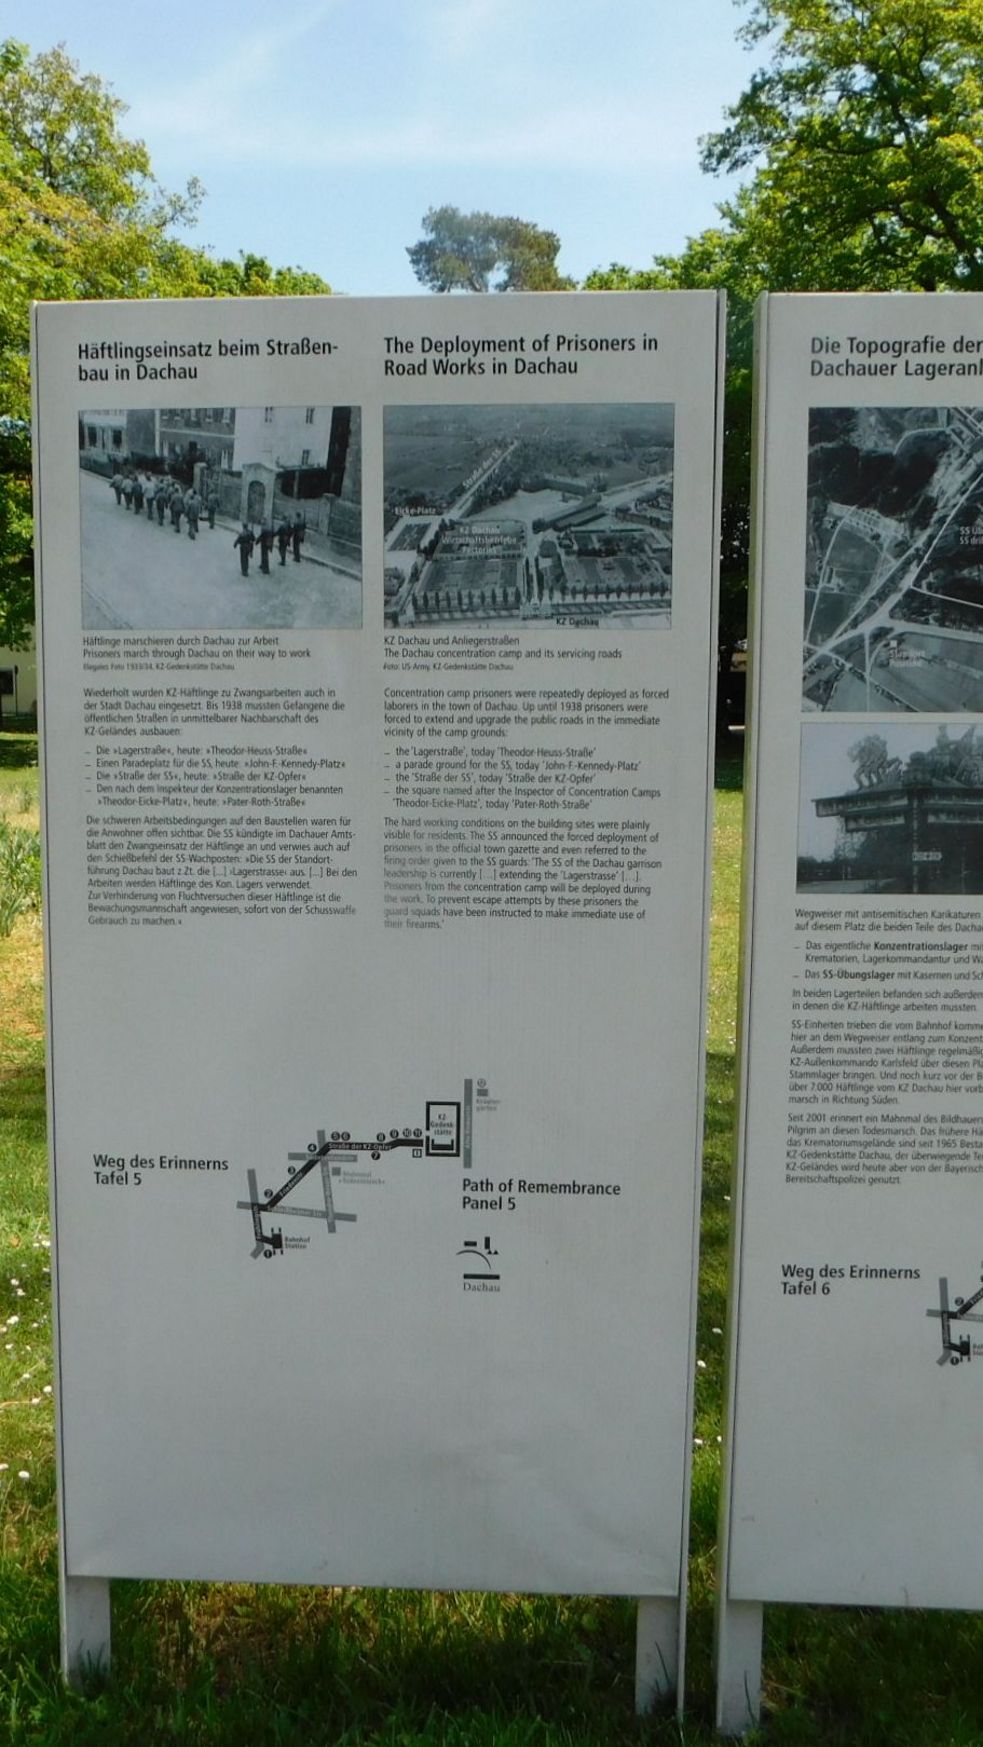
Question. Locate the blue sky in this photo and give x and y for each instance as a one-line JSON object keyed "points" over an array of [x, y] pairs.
{"points": [[324, 129]]}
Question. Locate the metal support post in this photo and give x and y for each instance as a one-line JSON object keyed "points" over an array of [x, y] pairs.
{"points": [[739, 1625], [85, 1627], [656, 1650]]}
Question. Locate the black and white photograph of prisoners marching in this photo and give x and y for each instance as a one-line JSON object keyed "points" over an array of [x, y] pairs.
{"points": [[221, 517], [894, 560], [506, 514]]}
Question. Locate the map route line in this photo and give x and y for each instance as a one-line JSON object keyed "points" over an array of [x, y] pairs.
{"points": [[955, 1351], [445, 1135]]}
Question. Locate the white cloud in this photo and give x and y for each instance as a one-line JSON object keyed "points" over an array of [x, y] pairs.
{"points": [[493, 84], [622, 135], [203, 106], [456, 30]]}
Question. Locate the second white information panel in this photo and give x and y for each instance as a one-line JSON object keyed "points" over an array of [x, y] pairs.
{"points": [[857, 1359]]}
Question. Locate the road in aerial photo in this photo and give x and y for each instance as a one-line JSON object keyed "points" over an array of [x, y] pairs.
{"points": [[894, 560]]}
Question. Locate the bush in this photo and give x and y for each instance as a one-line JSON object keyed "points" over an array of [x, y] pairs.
{"points": [[20, 874]]}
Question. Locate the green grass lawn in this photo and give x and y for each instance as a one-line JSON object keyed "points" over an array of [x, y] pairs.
{"points": [[231, 1665]]}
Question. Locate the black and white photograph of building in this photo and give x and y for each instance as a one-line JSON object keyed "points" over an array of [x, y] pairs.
{"points": [[506, 514], [891, 807], [894, 560], [221, 517]]}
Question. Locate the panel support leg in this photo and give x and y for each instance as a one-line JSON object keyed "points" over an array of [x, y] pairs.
{"points": [[656, 1650], [739, 1625], [85, 1627]]}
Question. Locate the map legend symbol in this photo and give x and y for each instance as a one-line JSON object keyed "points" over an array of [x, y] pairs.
{"points": [[472, 1253]]}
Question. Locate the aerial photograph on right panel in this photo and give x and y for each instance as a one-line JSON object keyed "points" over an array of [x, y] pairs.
{"points": [[894, 560]]}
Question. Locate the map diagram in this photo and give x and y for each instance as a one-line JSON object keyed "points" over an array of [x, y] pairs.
{"points": [[956, 1348], [444, 1134], [894, 560]]}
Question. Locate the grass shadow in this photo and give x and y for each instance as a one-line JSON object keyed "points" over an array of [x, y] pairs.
{"points": [[225, 1664], [22, 1096], [18, 751], [729, 765]]}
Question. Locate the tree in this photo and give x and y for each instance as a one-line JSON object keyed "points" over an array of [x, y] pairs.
{"points": [[865, 133], [250, 276], [81, 216], [16, 561], [460, 251], [62, 127]]}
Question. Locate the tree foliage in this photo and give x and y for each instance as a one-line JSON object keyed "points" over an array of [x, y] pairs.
{"points": [[462, 251], [16, 559], [82, 216], [865, 134], [250, 276], [62, 128]]}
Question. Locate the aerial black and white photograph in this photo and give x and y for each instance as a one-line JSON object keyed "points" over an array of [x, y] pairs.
{"points": [[894, 560], [506, 514], [891, 807], [221, 517]]}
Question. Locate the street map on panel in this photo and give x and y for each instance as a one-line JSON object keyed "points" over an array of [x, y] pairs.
{"points": [[445, 1134]]}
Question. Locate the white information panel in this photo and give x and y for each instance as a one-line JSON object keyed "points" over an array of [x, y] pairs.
{"points": [[857, 1347], [377, 641]]}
